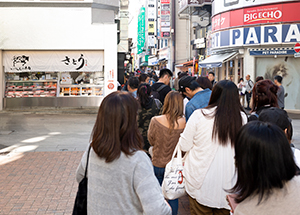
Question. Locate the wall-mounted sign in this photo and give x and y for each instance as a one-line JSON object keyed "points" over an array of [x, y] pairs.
{"points": [[272, 51], [165, 12], [287, 12], [219, 6], [165, 18], [151, 27], [260, 35], [165, 1], [165, 29], [141, 31], [53, 61], [165, 24], [165, 34]]}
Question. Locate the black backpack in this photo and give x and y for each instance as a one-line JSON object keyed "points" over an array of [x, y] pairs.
{"points": [[155, 93]]}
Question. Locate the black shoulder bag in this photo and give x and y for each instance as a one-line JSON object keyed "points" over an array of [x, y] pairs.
{"points": [[80, 206]]}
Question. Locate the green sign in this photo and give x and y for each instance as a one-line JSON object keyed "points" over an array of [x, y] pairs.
{"points": [[141, 31]]}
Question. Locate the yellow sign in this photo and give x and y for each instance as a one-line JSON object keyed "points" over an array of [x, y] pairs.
{"points": [[151, 28]]}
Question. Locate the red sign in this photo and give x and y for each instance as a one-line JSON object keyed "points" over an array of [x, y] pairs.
{"points": [[263, 14], [165, 1], [285, 12], [165, 12], [110, 86], [165, 34], [290, 12], [236, 18], [297, 47]]}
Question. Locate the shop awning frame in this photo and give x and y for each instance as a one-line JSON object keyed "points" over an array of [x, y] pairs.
{"points": [[217, 60], [144, 64]]}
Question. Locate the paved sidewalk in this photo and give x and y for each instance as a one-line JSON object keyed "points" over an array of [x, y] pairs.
{"points": [[43, 183], [38, 182]]}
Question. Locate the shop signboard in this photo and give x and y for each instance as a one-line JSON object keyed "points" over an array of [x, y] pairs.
{"points": [[53, 61], [141, 31], [165, 18], [165, 1], [272, 51], [165, 34], [151, 41], [165, 7], [164, 53], [260, 35], [219, 6], [151, 12], [165, 24], [151, 27], [257, 16], [165, 12]]}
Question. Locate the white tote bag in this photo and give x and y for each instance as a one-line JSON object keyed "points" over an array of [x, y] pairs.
{"points": [[173, 185]]}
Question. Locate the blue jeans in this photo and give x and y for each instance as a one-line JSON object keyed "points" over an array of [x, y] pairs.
{"points": [[159, 173]]}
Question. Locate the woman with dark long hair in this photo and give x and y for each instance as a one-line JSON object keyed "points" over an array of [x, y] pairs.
{"points": [[208, 140], [149, 107], [163, 134], [120, 175], [266, 172], [264, 95]]}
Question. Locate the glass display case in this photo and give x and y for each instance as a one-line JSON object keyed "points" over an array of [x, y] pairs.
{"points": [[31, 88], [33, 84], [53, 89], [81, 84]]}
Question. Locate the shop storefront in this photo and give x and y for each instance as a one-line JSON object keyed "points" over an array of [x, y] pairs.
{"points": [[53, 78], [264, 35], [58, 64]]}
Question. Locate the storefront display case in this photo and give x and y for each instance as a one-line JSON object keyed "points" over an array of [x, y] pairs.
{"points": [[56, 79], [55, 89]]}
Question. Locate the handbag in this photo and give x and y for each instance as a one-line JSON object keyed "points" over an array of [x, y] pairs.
{"points": [[80, 205], [173, 185]]}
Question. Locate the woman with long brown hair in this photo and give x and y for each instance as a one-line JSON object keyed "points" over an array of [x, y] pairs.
{"points": [[163, 134], [120, 175], [208, 139]]}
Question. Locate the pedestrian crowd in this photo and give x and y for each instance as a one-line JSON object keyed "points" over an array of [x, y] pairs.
{"points": [[234, 162]]}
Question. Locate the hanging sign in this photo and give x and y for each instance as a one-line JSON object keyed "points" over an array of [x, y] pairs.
{"points": [[53, 61]]}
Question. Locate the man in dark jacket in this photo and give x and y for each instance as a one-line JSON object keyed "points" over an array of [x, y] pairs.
{"points": [[162, 85]]}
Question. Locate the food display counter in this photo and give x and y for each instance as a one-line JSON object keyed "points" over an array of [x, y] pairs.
{"points": [[32, 89]]}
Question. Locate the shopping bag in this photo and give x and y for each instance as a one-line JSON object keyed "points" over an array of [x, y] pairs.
{"points": [[173, 185]]}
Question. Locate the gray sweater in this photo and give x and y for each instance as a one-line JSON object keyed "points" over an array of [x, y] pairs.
{"points": [[125, 186]]}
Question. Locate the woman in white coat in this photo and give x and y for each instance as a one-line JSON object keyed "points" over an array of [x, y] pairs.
{"points": [[208, 140]]}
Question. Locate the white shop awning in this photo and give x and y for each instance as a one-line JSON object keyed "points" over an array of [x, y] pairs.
{"points": [[217, 60]]}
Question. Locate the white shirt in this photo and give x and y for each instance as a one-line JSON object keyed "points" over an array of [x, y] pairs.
{"points": [[209, 167]]}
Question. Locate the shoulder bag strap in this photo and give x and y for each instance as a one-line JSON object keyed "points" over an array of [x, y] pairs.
{"points": [[161, 87], [87, 161]]}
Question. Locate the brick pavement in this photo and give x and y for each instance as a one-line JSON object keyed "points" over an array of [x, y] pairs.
{"points": [[43, 183]]}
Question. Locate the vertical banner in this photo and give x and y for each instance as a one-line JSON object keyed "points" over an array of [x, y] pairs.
{"points": [[141, 31], [151, 23], [165, 24]]}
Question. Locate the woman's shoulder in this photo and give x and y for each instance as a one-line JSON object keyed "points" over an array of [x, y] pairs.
{"points": [[203, 112], [140, 158]]}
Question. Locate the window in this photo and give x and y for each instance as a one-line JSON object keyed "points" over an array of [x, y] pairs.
{"points": [[166, 42]]}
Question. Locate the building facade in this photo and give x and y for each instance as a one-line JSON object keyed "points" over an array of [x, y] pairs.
{"points": [[57, 54], [257, 38]]}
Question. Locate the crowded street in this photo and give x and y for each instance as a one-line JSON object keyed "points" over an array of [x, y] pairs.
{"points": [[40, 151]]}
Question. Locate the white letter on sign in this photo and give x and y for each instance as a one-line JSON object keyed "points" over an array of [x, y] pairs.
{"points": [[251, 36], [293, 33]]}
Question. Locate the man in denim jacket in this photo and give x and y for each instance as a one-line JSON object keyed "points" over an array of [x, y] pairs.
{"points": [[199, 97]]}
